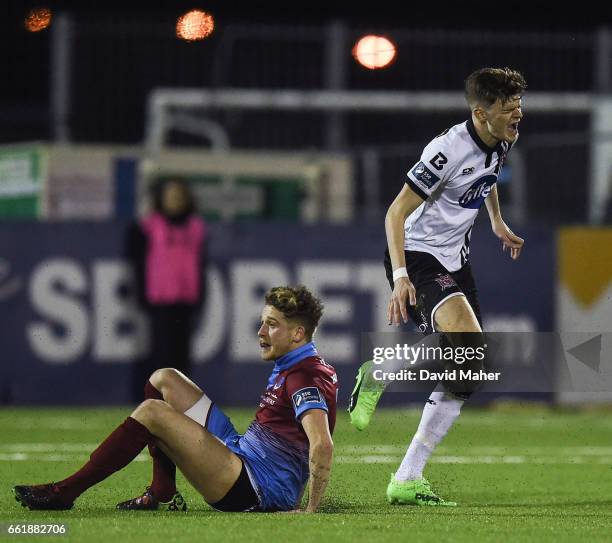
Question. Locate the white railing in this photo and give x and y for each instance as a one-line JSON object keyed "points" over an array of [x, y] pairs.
{"points": [[169, 109]]}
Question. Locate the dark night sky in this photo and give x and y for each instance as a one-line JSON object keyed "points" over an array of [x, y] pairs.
{"points": [[430, 14], [24, 93]]}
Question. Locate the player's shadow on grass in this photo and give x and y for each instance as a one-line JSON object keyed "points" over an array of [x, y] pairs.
{"points": [[379, 507], [332, 505]]}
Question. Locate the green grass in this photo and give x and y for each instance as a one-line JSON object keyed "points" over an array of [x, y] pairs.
{"points": [[518, 475]]}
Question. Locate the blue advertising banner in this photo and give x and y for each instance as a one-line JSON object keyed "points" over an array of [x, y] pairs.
{"points": [[72, 332]]}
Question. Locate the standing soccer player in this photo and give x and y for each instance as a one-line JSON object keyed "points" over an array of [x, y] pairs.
{"points": [[287, 445], [428, 229]]}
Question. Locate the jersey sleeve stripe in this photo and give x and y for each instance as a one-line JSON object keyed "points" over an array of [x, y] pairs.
{"points": [[308, 407], [416, 189]]}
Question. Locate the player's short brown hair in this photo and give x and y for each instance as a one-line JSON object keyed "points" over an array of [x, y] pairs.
{"points": [[486, 85], [297, 304]]}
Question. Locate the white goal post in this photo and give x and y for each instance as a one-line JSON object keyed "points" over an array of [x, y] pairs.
{"points": [[169, 109]]}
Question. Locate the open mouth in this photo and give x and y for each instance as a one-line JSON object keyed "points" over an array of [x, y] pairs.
{"points": [[513, 128]]}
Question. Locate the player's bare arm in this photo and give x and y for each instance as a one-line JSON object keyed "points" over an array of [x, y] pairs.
{"points": [[403, 205], [321, 453], [509, 239]]}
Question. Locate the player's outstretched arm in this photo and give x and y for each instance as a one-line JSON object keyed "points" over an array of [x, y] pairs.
{"points": [[403, 205], [321, 452], [509, 239]]}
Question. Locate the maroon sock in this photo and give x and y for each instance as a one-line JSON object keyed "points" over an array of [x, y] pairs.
{"points": [[163, 485], [113, 454]]}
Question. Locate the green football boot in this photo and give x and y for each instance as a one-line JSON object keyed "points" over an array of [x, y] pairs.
{"points": [[365, 396], [417, 492]]}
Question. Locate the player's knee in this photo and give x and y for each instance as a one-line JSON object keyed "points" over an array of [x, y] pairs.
{"points": [[153, 406], [163, 377], [149, 411], [456, 316], [463, 322]]}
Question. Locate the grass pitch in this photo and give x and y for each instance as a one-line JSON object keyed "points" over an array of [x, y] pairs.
{"points": [[517, 475]]}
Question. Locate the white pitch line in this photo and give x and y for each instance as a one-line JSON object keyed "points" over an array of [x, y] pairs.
{"points": [[356, 454], [484, 450], [364, 459], [360, 449], [479, 460], [51, 424], [48, 447], [25, 457]]}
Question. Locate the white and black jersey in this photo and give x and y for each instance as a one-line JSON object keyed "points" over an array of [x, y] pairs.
{"points": [[454, 176]]}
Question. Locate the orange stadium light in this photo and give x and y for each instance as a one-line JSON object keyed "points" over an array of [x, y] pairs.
{"points": [[37, 19], [374, 52], [195, 25]]}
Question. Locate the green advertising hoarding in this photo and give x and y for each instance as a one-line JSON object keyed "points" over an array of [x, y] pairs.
{"points": [[23, 169]]}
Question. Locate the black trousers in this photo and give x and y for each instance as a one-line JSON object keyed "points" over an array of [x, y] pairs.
{"points": [[171, 329]]}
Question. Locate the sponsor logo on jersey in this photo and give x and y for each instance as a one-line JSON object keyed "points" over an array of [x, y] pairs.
{"points": [[279, 383], [423, 174], [306, 395], [474, 196], [467, 171], [438, 161], [269, 399]]}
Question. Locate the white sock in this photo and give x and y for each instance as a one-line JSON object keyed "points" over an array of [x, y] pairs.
{"points": [[438, 416]]}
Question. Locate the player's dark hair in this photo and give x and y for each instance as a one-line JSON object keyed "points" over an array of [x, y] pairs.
{"points": [[297, 304], [486, 85]]}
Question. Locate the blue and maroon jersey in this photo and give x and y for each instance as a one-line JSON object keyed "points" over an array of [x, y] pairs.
{"points": [[309, 384], [275, 444]]}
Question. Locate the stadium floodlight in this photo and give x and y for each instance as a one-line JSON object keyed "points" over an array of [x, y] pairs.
{"points": [[195, 25], [38, 19], [374, 52]]}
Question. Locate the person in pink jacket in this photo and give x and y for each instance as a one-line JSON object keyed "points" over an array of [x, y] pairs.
{"points": [[168, 249]]}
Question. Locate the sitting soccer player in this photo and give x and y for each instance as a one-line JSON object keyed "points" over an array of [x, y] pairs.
{"points": [[287, 445]]}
